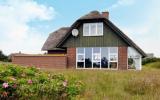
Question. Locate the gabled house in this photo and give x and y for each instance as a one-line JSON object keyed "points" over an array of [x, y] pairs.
{"points": [[94, 42]]}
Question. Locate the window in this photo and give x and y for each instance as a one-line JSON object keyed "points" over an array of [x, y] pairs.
{"points": [[97, 57], [88, 58], [113, 57], [93, 29], [104, 57], [80, 58]]}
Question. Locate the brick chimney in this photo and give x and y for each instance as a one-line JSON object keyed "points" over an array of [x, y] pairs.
{"points": [[105, 14]]}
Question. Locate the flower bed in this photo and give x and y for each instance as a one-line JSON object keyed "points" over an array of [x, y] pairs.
{"points": [[18, 82]]}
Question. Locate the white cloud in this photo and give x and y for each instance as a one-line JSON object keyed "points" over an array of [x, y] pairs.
{"points": [[16, 33], [121, 3]]}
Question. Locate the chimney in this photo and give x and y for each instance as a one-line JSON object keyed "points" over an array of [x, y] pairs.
{"points": [[105, 14]]}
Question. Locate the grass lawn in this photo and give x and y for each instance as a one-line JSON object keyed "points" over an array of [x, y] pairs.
{"points": [[118, 85]]}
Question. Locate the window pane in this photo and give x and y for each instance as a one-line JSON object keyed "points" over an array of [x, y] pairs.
{"points": [[80, 64], [96, 64], [113, 58], [113, 50], [81, 50], [81, 58], [88, 57], [96, 57], [96, 50], [93, 29], [104, 57], [113, 65], [86, 29], [100, 28]]}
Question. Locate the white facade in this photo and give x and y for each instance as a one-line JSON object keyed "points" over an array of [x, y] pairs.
{"points": [[136, 56]]}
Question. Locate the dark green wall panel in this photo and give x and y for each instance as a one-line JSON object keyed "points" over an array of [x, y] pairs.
{"points": [[109, 39]]}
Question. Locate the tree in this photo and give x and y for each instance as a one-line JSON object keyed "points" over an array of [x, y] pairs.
{"points": [[3, 57]]}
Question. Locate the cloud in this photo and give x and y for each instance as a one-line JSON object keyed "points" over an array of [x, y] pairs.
{"points": [[15, 30], [121, 3]]}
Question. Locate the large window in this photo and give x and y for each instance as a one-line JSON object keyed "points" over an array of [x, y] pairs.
{"points": [[92, 29], [96, 57]]}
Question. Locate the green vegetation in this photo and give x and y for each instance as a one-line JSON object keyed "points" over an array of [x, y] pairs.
{"points": [[3, 57], [33, 83], [29, 83], [150, 60], [118, 85]]}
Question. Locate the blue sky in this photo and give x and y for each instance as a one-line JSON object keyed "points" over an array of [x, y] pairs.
{"points": [[25, 24]]}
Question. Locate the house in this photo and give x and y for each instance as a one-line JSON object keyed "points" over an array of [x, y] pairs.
{"points": [[91, 42]]}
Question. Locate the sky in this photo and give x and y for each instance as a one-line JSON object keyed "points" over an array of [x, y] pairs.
{"points": [[26, 24]]}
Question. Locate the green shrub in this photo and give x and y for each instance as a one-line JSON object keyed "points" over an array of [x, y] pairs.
{"points": [[150, 60], [20, 82], [153, 65], [3, 57]]}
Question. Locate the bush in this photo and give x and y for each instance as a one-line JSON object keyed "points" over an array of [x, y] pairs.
{"points": [[3, 57], [17, 82], [153, 65], [150, 60]]}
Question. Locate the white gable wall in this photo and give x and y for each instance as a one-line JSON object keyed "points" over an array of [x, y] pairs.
{"points": [[136, 56]]}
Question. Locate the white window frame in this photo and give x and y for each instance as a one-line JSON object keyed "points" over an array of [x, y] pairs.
{"points": [[109, 61], [77, 54], [94, 61], [90, 34], [116, 54]]}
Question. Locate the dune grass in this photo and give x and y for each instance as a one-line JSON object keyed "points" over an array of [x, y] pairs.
{"points": [[117, 85]]}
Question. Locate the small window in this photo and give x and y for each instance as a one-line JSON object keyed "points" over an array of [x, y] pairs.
{"points": [[93, 29]]}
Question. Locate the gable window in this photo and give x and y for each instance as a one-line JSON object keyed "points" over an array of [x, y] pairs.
{"points": [[93, 29]]}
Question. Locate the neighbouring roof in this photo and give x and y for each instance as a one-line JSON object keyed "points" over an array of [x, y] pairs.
{"points": [[57, 38], [54, 38]]}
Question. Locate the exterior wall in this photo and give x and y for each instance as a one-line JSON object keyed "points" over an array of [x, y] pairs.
{"points": [[71, 57], [58, 62], [122, 58], [63, 62], [109, 39]]}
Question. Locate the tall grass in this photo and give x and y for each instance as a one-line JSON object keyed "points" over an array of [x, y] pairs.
{"points": [[117, 85], [155, 65]]}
